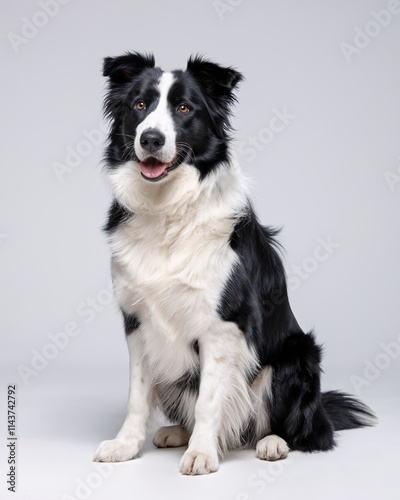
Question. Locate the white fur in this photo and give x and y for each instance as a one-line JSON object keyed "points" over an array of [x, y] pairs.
{"points": [[170, 264], [202, 461], [172, 436], [130, 438], [261, 393], [272, 447], [161, 120], [172, 259], [224, 403]]}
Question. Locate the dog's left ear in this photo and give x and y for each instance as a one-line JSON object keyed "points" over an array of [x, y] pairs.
{"points": [[218, 85], [217, 81]]}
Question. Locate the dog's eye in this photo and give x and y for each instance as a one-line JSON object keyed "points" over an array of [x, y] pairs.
{"points": [[183, 108], [140, 105]]}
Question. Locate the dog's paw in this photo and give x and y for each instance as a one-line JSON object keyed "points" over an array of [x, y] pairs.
{"points": [[172, 436], [272, 448], [195, 463], [117, 450]]}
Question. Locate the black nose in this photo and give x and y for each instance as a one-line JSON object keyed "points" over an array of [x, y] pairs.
{"points": [[152, 140]]}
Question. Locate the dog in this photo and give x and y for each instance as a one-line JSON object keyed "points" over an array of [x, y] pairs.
{"points": [[200, 283]]}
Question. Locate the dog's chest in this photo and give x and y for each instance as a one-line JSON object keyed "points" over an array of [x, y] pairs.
{"points": [[171, 273]]}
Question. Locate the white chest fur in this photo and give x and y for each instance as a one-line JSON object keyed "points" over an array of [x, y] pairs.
{"points": [[170, 270]]}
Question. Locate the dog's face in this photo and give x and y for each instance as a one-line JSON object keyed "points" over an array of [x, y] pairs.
{"points": [[161, 120]]}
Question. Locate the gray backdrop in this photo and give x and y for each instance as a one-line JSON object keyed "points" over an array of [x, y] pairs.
{"points": [[317, 129]]}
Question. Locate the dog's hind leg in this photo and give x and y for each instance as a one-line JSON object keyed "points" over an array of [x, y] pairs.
{"points": [[172, 436], [271, 448], [130, 438], [297, 411]]}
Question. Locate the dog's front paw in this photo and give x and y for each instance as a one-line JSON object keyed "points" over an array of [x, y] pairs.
{"points": [[117, 450], [195, 463], [272, 448]]}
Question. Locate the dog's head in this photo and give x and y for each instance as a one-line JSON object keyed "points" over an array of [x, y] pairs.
{"points": [[161, 120]]}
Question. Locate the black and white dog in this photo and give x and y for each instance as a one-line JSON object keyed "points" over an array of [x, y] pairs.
{"points": [[211, 335]]}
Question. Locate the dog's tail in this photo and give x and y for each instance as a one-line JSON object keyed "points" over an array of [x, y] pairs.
{"points": [[347, 412]]}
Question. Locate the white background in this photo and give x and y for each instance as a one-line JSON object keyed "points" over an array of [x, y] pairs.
{"points": [[332, 172]]}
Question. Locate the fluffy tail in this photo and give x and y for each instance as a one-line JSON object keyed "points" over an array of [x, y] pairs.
{"points": [[347, 412]]}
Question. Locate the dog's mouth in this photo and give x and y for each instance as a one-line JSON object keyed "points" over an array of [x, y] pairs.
{"points": [[154, 170]]}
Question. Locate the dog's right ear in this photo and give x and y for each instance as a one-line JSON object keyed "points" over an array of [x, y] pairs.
{"points": [[122, 69]]}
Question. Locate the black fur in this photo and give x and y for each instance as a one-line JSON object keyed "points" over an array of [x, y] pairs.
{"points": [[255, 296], [129, 76], [116, 215], [256, 299], [345, 412], [131, 322]]}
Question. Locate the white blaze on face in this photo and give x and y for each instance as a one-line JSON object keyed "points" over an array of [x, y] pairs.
{"points": [[161, 120]]}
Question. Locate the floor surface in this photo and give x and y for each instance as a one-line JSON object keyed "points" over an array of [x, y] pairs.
{"points": [[61, 421]]}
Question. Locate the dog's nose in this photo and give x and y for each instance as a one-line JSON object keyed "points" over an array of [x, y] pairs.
{"points": [[152, 140]]}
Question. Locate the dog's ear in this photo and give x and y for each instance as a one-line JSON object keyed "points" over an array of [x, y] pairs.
{"points": [[217, 81], [218, 85], [122, 69]]}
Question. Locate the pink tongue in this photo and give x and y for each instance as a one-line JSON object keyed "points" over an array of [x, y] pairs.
{"points": [[152, 168]]}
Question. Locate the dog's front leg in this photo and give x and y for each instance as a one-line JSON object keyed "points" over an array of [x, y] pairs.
{"points": [[220, 361], [130, 438]]}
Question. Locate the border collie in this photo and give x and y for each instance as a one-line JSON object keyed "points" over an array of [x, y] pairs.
{"points": [[202, 290]]}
